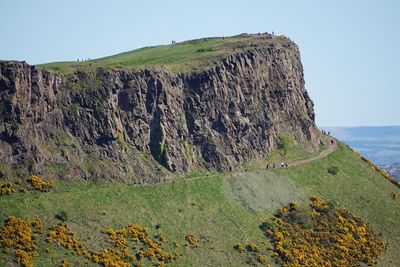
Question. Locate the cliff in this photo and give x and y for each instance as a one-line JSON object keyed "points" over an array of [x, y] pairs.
{"points": [[124, 124]]}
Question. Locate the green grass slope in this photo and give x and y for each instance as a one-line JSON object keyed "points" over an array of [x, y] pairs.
{"points": [[186, 56], [221, 209]]}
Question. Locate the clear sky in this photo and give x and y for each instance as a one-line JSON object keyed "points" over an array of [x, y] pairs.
{"points": [[350, 48]]}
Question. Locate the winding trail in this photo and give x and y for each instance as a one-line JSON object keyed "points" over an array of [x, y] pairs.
{"points": [[332, 147]]}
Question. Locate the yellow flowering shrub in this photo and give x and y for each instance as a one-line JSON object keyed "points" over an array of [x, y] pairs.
{"points": [[110, 258], [318, 205], [261, 259], [6, 189], [335, 238], [253, 247], [38, 184], [65, 263], [239, 247], [37, 226], [255, 256], [191, 238], [17, 235], [62, 235], [119, 255]]}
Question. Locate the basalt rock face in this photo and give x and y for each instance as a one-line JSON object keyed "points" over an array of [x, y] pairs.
{"points": [[136, 125]]}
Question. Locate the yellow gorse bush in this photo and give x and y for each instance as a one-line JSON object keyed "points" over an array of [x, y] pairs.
{"points": [[37, 226], [40, 185], [17, 235], [191, 238], [253, 247], [334, 238], [261, 259], [254, 253], [6, 189], [239, 247], [119, 255], [64, 237], [65, 263]]}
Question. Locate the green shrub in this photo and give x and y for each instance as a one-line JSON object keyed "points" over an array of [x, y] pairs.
{"points": [[301, 216], [62, 216], [284, 143], [267, 225], [202, 50], [333, 170]]}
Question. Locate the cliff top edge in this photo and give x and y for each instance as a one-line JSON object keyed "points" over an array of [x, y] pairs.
{"points": [[188, 56]]}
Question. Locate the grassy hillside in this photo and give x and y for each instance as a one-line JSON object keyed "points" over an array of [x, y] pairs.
{"points": [[186, 56], [219, 209]]}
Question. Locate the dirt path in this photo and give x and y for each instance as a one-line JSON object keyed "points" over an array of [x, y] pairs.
{"points": [[332, 147]]}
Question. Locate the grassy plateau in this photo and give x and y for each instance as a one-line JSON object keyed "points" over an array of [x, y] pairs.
{"points": [[188, 56]]}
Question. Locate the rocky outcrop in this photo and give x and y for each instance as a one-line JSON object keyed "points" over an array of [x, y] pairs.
{"points": [[136, 125]]}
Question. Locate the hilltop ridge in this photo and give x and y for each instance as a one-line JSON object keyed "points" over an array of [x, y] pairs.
{"points": [[186, 56]]}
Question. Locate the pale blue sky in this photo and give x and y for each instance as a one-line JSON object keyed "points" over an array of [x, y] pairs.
{"points": [[350, 49]]}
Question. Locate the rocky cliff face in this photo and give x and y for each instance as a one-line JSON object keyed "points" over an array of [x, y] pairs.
{"points": [[120, 124]]}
